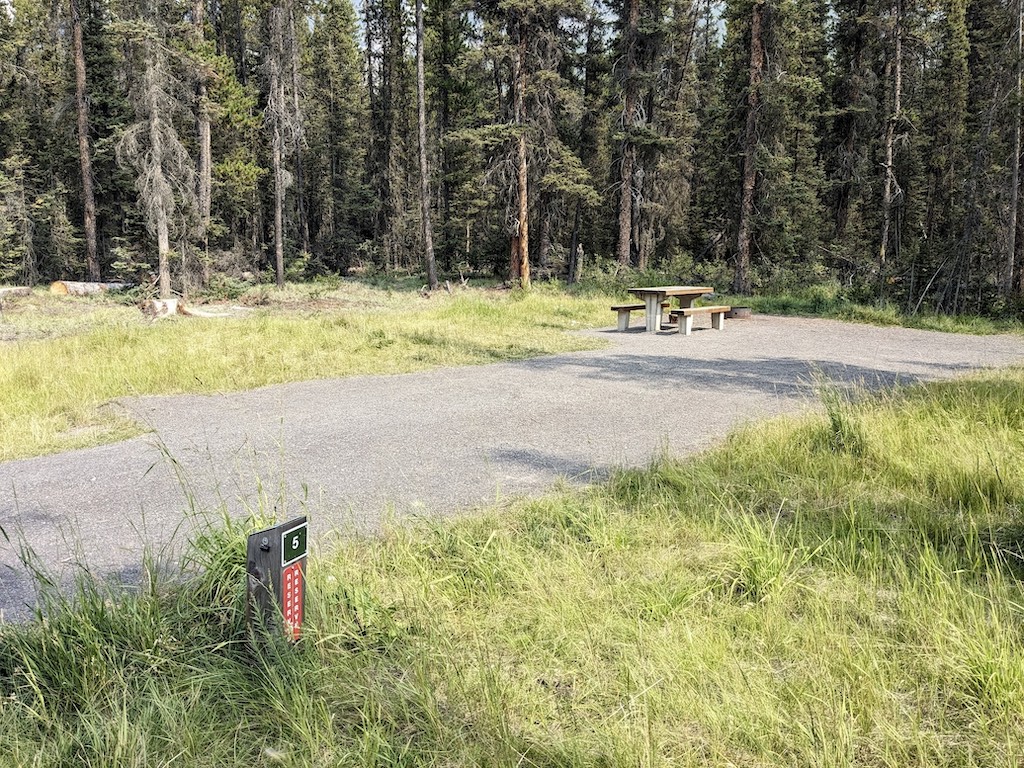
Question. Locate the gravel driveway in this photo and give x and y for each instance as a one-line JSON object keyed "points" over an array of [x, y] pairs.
{"points": [[364, 448]]}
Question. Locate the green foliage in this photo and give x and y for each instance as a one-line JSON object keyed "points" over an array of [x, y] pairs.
{"points": [[826, 97], [829, 300]]}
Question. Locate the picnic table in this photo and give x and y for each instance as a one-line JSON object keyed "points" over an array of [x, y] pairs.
{"points": [[653, 297]]}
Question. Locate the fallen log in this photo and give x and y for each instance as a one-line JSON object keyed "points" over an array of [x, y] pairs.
{"points": [[72, 288], [17, 290], [193, 312], [159, 308]]}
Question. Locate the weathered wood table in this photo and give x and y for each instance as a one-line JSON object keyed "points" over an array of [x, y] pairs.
{"points": [[653, 296]]}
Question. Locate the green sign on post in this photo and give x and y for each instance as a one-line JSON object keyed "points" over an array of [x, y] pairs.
{"points": [[293, 544], [277, 576]]}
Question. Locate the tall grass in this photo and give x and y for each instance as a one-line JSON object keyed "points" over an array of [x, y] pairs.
{"points": [[52, 390], [830, 301], [792, 598]]}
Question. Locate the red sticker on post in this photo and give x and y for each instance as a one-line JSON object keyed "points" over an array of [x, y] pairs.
{"points": [[291, 598]]}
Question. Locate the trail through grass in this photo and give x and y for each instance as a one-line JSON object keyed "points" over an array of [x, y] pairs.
{"points": [[842, 589]]}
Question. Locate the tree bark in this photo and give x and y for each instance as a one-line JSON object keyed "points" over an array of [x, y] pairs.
{"points": [[574, 245], [630, 98], [161, 188], [744, 235], [205, 166], [521, 239], [163, 241], [92, 262], [421, 108], [896, 67], [277, 106], [1011, 285], [300, 180]]}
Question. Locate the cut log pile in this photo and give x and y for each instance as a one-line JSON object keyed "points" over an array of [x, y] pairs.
{"points": [[71, 288]]}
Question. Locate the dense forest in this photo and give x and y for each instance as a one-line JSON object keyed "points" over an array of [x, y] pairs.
{"points": [[759, 144]]}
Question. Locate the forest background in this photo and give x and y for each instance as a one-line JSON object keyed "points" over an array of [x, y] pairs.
{"points": [[764, 145]]}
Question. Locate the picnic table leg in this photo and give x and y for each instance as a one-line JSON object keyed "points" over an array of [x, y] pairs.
{"points": [[653, 313]]}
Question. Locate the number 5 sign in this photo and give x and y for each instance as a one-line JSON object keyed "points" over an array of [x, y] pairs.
{"points": [[277, 575]]}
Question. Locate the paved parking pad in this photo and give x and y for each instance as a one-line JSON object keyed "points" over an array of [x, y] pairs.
{"points": [[352, 452]]}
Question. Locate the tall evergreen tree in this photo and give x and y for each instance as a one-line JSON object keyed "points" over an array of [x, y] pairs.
{"points": [[336, 106], [165, 174], [427, 231], [92, 260]]}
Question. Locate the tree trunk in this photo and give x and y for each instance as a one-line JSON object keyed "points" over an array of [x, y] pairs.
{"points": [[163, 241], [300, 181], [92, 261], [744, 235], [161, 187], [521, 240], [624, 250], [574, 243], [205, 165], [278, 164], [1010, 286], [277, 107], [421, 108], [896, 67], [630, 98]]}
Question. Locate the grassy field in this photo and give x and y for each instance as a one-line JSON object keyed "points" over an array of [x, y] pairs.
{"points": [[829, 301], [65, 359], [842, 589]]}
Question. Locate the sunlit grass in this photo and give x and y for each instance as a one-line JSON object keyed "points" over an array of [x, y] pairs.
{"points": [[795, 597], [52, 389]]}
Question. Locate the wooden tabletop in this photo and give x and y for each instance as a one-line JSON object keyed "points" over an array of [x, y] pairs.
{"points": [[673, 290]]}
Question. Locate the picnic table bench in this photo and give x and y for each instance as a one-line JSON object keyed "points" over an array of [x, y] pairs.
{"points": [[655, 298], [623, 311], [685, 315]]}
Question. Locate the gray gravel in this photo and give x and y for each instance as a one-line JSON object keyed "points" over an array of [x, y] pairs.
{"points": [[353, 452]]}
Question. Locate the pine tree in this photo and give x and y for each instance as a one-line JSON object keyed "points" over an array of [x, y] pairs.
{"points": [[340, 209], [667, 155], [778, 44], [84, 151], [391, 160], [165, 174], [427, 231]]}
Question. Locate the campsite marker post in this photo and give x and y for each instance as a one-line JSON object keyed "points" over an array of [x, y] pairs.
{"points": [[276, 566]]}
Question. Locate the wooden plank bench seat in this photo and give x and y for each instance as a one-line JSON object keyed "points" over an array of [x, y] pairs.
{"points": [[685, 317], [623, 311]]}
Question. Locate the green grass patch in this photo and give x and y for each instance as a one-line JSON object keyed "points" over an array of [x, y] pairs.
{"points": [[829, 301], [57, 373], [842, 589]]}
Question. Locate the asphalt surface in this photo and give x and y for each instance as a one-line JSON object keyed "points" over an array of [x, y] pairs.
{"points": [[354, 452]]}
